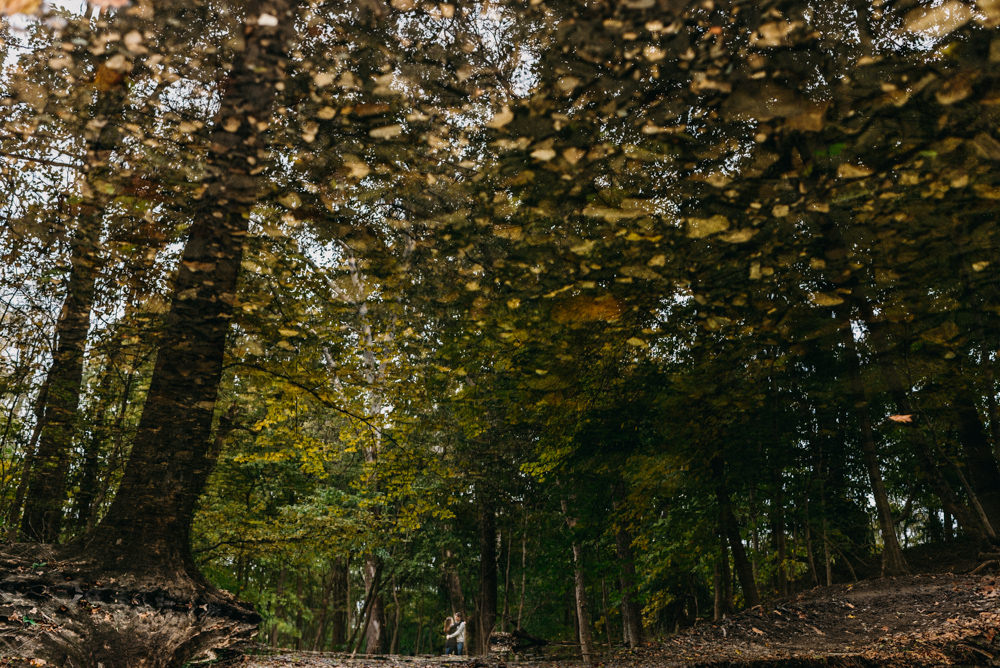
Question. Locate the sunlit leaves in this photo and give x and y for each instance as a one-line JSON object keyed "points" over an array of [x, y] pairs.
{"points": [[8, 7], [938, 21]]}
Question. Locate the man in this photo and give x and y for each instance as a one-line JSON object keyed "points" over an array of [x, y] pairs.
{"points": [[459, 633]]}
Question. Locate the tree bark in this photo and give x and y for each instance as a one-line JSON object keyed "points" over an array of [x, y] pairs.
{"points": [[505, 614], [17, 505], [46, 488], [606, 611], [631, 613], [524, 576], [338, 631], [580, 593], [83, 506], [810, 555], [375, 621], [730, 528], [279, 608], [394, 637], [487, 574], [420, 630], [582, 608], [148, 525], [722, 589], [778, 537]]}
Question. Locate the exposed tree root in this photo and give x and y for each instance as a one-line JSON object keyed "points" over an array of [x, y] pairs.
{"points": [[68, 612]]}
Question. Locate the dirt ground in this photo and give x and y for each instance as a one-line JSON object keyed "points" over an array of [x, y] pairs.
{"points": [[940, 619]]}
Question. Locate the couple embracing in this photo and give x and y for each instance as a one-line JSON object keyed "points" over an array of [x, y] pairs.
{"points": [[454, 634]]}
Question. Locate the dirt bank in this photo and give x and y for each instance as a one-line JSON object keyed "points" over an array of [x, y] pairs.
{"points": [[921, 620]]}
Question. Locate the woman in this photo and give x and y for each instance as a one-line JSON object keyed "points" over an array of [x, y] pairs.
{"points": [[450, 643], [457, 633]]}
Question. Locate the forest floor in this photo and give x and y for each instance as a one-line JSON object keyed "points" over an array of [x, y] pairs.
{"points": [[934, 619], [947, 616]]}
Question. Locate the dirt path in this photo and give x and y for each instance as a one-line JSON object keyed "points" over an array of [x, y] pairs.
{"points": [[921, 620]]}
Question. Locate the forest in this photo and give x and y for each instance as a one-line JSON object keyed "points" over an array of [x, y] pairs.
{"points": [[593, 320]]}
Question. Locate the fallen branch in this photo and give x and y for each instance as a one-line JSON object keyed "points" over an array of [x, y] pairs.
{"points": [[983, 566]]}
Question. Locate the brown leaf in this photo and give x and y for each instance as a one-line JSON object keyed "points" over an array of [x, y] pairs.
{"points": [[370, 109], [106, 78], [586, 309]]}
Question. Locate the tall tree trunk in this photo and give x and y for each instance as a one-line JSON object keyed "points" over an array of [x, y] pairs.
{"points": [[456, 598], [341, 603], [807, 531], [924, 448], [893, 562], [279, 607], [980, 462], [723, 590], [606, 611], [83, 506], [148, 525], [396, 614], [14, 513], [420, 629], [731, 529], [364, 615], [299, 604], [487, 574], [631, 613], [375, 621], [46, 489], [524, 573], [326, 585], [778, 537], [505, 615], [580, 593], [582, 609]]}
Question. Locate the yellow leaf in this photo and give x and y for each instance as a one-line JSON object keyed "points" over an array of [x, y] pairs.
{"points": [[386, 132], [699, 228], [825, 299], [849, 171], [502, 118]]}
